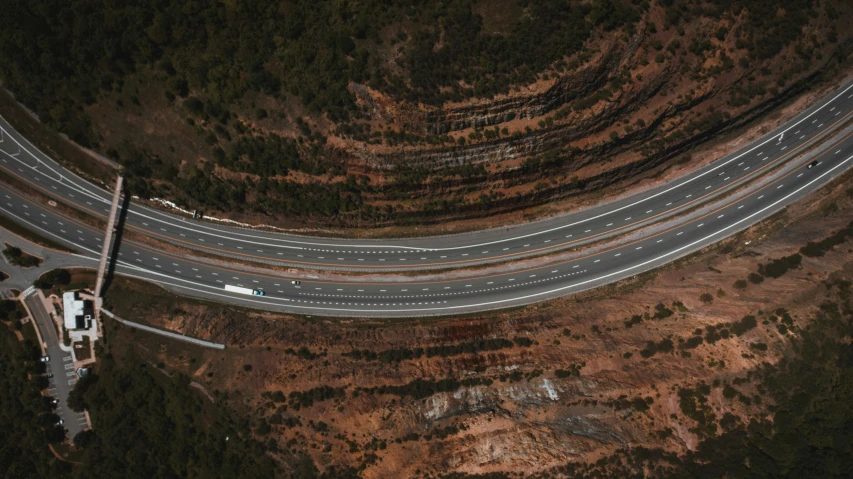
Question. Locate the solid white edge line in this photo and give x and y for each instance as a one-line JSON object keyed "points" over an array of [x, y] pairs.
{"points": [[451, 248]]}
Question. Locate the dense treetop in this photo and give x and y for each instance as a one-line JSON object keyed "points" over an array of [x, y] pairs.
{"points": [[60, 56]]}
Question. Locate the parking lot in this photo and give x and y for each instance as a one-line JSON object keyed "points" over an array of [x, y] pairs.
{"points": [[60, 365]]}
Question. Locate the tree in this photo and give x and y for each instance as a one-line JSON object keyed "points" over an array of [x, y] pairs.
{"points": [[84, 439]]}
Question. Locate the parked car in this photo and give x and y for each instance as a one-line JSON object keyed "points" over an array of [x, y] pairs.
{"points": [[48, 375], [60, 422], [45, 359]]}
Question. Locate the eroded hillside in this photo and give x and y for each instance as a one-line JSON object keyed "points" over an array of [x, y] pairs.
{"points": [[660, 371], [376, 115]]}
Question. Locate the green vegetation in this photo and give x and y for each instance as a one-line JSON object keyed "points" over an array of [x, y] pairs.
{"points": [[150, 425], [694, 404], [422, 388], [572, 370], [310, 50], [662, 312], [820, 248], [19, 258], [778, 267], [11, 310], [305, 399], [304, 353], [635, 319], [652, 348], [259, 86], [26, 417], [54, 277], [806, 430], [406, 354], [692, 342], [638, 404]]}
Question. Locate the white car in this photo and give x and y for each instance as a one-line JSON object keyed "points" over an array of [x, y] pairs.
{"points": [[295, 282], [60, 422], [45, 359]]}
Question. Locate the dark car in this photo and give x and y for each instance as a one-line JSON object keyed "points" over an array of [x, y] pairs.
{"points": [[813, 164]]}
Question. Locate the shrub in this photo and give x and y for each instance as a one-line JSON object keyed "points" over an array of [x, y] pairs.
{"points": [[692, 342], [745, 324], [779, 267], [755, 278], [19, 258], [729, 392], [706, 298], [814, 250], [54, 277], [740, 284]]}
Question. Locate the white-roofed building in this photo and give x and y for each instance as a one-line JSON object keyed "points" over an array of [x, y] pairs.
{"points": [[77, 312]]}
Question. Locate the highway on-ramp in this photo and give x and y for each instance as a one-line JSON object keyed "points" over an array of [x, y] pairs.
{"points": [[21, 160]]}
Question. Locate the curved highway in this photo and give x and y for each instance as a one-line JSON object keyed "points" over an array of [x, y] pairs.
{"points": [[420, 298], [23, 161]]}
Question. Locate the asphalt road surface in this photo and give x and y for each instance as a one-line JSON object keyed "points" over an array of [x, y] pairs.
{"points": [[23, 161], [423, 298], [60, 365]]}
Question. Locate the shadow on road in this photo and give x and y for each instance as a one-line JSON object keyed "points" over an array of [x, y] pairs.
{"points": [[113, 253]]}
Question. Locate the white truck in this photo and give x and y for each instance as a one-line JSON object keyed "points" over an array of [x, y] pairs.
{"points": [[241, 290]]}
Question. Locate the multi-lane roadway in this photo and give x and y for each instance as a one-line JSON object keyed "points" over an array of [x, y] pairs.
{"points": [[20, 159], [414, 297]]}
